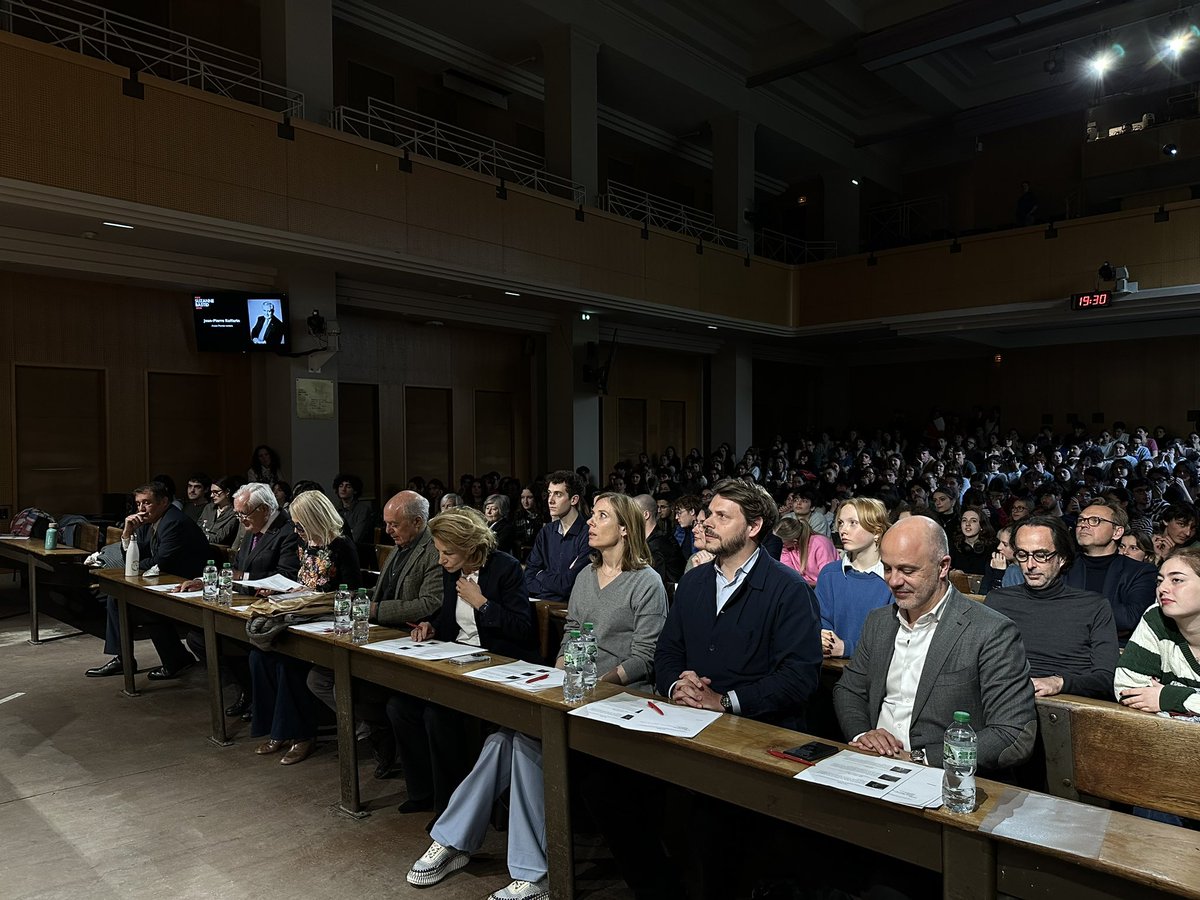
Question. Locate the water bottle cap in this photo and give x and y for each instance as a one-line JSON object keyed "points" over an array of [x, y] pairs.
{"points": [[343, 587], [588, 626], [210, 563], [574, 632], [963, 717]]}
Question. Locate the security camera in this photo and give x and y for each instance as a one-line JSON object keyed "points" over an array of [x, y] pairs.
{"points": [[316, 323]]}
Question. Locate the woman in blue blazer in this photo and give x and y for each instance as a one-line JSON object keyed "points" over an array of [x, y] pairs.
{"points": [[485, 604]]}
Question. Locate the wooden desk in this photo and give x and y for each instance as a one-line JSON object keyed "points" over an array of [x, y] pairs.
{"points": [[35, 557]]}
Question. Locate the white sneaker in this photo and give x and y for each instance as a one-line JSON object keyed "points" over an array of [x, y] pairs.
{"points": [[436, 864], [524, 890]]}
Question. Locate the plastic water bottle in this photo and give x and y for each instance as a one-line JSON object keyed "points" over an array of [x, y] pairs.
{"points": [[360, 611], [211, 585], [960, 752], [573, 663], [133, 558], [589, 658], [225, 586], [341, 610], [52, 536]]}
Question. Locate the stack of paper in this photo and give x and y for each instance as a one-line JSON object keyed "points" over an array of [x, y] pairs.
{"points": [[656, 716], [427, 650], [521, 675], [321, 627], [170, 588], [890, 779], [273, 583]]}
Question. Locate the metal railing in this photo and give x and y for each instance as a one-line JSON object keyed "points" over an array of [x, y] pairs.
{"points": [[662, 212], [906, 222], [423, 136], [145, 47], [786, 249]]}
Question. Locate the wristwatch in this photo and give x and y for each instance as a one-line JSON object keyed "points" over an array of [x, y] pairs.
{"points": [[918, 756], [726, 703]]}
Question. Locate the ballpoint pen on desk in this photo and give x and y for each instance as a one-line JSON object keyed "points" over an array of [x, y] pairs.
{"points": [[538, 678], [779, 754], [654, 706]]}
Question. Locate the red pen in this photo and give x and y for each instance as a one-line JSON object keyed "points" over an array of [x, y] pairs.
{"points": [[779, 754], [538, 678], [654, 706]]}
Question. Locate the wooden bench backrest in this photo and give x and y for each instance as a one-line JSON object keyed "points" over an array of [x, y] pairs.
{"points": [[112, 535], [87, 537], [547, 640], [1124, 755], [383, 552]]}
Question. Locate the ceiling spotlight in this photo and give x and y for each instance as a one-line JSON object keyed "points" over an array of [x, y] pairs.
{"points": [[1177, 44], [585, 317], [712, 327], [1170, 150], [116, 225], [511, 294], [854, 181], [1105, 59], [1054, 63]]}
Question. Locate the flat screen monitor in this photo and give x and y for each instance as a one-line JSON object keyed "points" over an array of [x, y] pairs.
{"points": [[239, 322]]}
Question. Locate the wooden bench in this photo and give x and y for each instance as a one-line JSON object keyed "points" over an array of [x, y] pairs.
{"points": [[1096, 749], [551, 617]]}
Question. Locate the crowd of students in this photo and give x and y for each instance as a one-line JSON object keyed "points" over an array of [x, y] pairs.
{"points": [[835, 549]]}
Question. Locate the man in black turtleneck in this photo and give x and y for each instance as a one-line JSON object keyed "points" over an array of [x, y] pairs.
{"points": [[1069, 634]]}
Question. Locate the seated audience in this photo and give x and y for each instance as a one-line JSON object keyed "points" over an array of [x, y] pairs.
{"points": [[1140, 547], [804, 551], [687, 508], [450, 501], [197, 496], [219, 520], [358, 515], [484, 604], [1069, 634], [173, 544], [701, 543], [1179, 525], [1002, 570], [974, 542], [281, 704], [283, 494], [265, 466], [625, 600], [932, 653], [559, 551], [1127, 584], [665, 556], [849, 588], [508, 537]]}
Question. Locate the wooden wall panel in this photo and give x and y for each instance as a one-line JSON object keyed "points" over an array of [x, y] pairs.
{"points": [[59, 418], [358, 435], [184, 425], [631, 428], [428, 425], [493, 432]]}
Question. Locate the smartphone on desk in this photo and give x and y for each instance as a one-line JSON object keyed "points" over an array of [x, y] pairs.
{"points": [[813, 751]]}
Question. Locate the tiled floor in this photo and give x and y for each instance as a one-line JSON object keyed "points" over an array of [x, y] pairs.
{"points": [[104, 796]]}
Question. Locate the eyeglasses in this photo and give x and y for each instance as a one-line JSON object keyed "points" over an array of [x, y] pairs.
{"points": [[246, 516], [298, 527], [1042, 556], [1093, 521]]}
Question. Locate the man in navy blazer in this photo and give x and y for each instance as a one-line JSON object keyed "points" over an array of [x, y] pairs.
{"points": [[1128, 584], [166, 538], [744, 633]]}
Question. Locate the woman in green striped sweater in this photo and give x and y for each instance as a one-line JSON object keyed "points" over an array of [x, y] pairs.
{"points": [[1158, 671]]}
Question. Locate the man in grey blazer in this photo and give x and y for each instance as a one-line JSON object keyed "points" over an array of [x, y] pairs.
{"points": [[409, 589], [932, 653]]}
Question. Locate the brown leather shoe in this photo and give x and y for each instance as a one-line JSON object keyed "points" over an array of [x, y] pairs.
{"points": [[300, 751], [266, 748]]}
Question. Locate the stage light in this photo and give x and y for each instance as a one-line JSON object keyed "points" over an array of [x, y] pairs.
{"points": [[1177, 44], [1170, 150], [1105, 59]]}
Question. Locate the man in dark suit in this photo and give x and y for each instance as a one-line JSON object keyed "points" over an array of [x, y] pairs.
{"points": [[268, 329], [409, 589], [1128, 584], [168, 539], [930, 654], [270, 546], [665, 556]]}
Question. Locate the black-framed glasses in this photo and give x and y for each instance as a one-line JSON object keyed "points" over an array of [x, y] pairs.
{"points": [[299, 529], [1041, 556], [1093, 521]]}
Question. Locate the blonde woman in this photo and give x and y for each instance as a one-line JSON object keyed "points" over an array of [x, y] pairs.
{"points": [[484, 604], [852, 586], [804, 551], [624, 597]]}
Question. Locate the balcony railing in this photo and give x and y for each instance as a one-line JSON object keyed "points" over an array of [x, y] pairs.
{"points": [[423, 136], [906, 222], [145, 47], [662, 212], [786, 249]]}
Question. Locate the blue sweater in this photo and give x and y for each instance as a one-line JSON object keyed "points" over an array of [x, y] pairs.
{"points": [[846, 596], [765, 644], [556, 560]]}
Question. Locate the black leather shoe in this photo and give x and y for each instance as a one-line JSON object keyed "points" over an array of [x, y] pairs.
{"points": [[162, 673], [412, 806], [240, 706], [113, 667]]}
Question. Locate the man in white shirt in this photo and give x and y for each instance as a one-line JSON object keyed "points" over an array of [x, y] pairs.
{"points": [[931, 654]]}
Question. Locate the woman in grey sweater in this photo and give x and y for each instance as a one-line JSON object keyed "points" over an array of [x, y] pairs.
{"points": [[623, 597]]}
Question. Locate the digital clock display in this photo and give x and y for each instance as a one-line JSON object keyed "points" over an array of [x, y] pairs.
{"points": [[1094, 300]]}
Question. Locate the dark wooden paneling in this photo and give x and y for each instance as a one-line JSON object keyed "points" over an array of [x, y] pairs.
{"points": [[184, 422], [493, 432], [60, 438], [631, 428], [358, 433], [427, 424]]}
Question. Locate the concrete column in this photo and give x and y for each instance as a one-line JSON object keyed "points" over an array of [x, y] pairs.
{"points": [[731, 405], [733, 173], [570, 108], [572, 415], [297, 51], [842, 205], [309, 447]]}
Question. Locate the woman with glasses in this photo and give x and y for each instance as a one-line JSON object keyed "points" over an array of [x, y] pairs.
{"points": [[282, 705], [219, 521]]}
